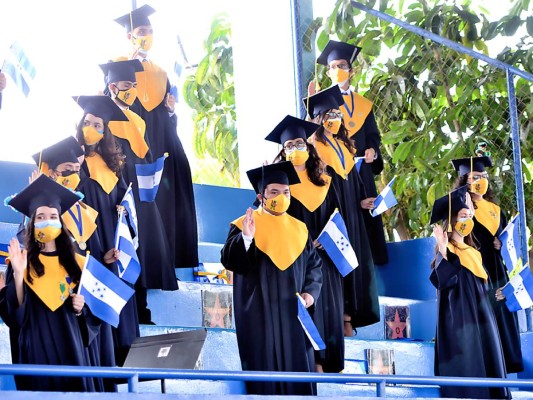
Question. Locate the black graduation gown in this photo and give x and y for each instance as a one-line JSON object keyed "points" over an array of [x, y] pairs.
{"points": [[269, 334], [467, 340], [507, 321], [329, 307], [48, 337], [175, 196]]}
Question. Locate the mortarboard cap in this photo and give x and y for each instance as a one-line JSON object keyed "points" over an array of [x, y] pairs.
{"points": [[43, 191], [323, 101], [338, 51], [282, 173], [122, 70], [449, 205], [465, 165], [66, 150], [136, 18], [291, 128], [101, 107]]}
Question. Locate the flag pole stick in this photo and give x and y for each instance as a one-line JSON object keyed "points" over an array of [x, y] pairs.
{"points": [[87, 254]]}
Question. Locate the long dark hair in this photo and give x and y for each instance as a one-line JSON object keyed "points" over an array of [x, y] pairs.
{"points": [[65, 252], [108, 148], [314, 165], [342, 135], [461, 181]]}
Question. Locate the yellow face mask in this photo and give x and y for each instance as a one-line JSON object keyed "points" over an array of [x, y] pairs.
{"points": [[297, 157], [91, 135], [278, 204], [143, 43], [46, 231], [127, 96], [333, 125], [464, 226], [69, 179], [339, 76], [480, 186]]}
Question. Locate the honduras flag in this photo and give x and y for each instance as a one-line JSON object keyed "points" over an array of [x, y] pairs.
{"points": [[128, 202], [511, 250], [129, 267], [105, 293], [385, 200], [518, 291], [19, 67], [358, 163], [309, 326], [148, 178], [334, 239]]}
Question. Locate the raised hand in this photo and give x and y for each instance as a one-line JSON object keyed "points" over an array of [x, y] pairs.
{"points": [[17, 257], [248, 223], [442, 239]]}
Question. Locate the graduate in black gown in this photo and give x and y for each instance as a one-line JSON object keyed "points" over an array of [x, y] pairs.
{"points": [[273, 258], [361, 125], [40, 295], [361, 303], [313, 200], [155, 105], [467, 341], [489, 222], [103, 187]]}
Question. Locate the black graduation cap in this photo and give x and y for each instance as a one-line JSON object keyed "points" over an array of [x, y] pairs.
{"points": [[283, 173], [465, 165], [323, 101], [43, 191], [101, 107], [135, 18], [122, 70], [443, 208], [291, 128], [338, 51], [66, 150]]}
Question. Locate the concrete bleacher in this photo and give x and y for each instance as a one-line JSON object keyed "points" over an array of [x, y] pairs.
{"points": [[404, 281]]}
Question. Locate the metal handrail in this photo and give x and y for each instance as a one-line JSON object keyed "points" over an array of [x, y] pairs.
{"points": [[134, 374]]}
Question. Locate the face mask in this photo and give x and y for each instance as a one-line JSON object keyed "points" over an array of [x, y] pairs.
{"points": [[339, 76], [143, 43], [480, 186], [46, 231], [278, 204], [91, 135], [333, 125], [464, 226], [298, 157], [69, 179], [127, 96]]}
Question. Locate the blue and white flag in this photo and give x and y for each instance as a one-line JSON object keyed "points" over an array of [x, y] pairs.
{"points": [[148, 178], [511, 250], [334, 239], [19, 67], [128, 202], [105, 293], [518, 291], [309, 326], [129, 267], [358, 163], [385, 200]]}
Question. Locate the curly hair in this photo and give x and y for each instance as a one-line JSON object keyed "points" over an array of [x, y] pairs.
{"points": [[314, 165], [65, 252], [108, 148], [342, 135]]}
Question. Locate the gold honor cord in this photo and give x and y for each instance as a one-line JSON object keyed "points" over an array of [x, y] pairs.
{"points": [[450, 212]]}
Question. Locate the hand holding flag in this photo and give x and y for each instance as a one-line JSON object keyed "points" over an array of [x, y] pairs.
{"points": [[309, 326], [518, 291], [385, 200]]}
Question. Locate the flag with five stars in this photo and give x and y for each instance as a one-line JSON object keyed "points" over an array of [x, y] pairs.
{"points": [[518, 291], [511, 250]]}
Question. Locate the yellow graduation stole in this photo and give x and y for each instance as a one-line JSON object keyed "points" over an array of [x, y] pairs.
{"points": [[470, 259], [80, 221], [100, 172], [331, 158], [488, 215], [309, 194], [132, 131], [282, 238], [55, 286], [355, 110]]}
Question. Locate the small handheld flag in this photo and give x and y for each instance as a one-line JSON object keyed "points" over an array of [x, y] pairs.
{"points": [[358, 163], [19, 67], [518, 291], [309, 326], [129, 267], [128, 202], [385, 200], [149, 177], [511, 250]]}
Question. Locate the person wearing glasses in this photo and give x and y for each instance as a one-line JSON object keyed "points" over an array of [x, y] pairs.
{"points": [[361, 127], [336, 150], [489, 221]]}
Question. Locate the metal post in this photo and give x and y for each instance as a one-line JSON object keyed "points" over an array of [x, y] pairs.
{"points": [[297, 50], [381, 388], [133, 383]]}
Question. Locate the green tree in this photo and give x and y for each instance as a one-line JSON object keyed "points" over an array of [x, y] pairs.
{"points": [[432, 103], [210, 94]]}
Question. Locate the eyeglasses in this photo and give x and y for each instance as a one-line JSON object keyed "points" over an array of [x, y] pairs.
{"points": [[333, 114], [344, 66], [478, 177], [295, 146]]}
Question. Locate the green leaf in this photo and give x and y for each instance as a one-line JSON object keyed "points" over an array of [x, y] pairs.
{"points": [[511, 26], [529, 25]]}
